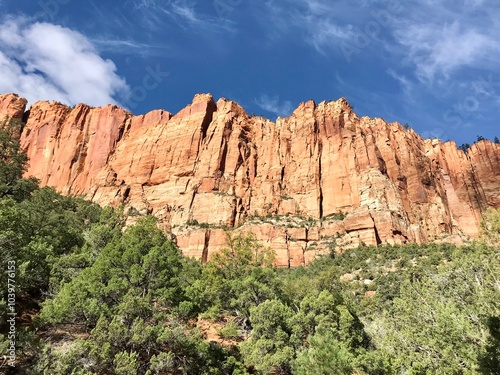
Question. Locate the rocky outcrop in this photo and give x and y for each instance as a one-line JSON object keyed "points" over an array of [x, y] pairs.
{"points": [[12, 106], [319, 180]]}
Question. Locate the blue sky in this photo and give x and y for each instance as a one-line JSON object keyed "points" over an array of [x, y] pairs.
{"points": [[434, 64]]}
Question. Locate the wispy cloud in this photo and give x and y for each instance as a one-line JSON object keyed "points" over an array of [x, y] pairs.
{"points": [[184, 13], [326, 33], [139, 4], [50, 62], [437, 50], [128, 46], [184, 10], [317, 20], [273, 105], [116, 30], [439, 38], [406, 84], [436, 38]]}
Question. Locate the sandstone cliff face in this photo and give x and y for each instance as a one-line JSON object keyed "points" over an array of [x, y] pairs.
{"points": [[212, 166]]}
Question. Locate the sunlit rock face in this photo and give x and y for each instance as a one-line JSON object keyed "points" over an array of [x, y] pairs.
{"points": [[212, 167]]}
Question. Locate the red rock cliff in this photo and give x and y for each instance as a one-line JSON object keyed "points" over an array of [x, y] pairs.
{"points": [[212, 166]]}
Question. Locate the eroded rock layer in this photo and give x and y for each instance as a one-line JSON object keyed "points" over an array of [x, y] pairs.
{"points": [[319, 180]]}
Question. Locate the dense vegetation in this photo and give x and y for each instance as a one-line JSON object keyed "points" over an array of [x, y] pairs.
{"points": [[96, 297]]}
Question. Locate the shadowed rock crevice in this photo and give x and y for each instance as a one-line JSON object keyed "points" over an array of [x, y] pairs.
{"points": [[204, 257], [207, 120]]}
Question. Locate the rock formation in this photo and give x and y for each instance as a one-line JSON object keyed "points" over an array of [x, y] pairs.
{"points": [[319, 180]]}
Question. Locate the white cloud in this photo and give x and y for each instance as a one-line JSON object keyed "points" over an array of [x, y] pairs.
{"points": [[273, 105], [43, 61]]}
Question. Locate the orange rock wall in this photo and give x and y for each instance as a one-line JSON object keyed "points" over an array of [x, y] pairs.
{"points": [[212, 166]]}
